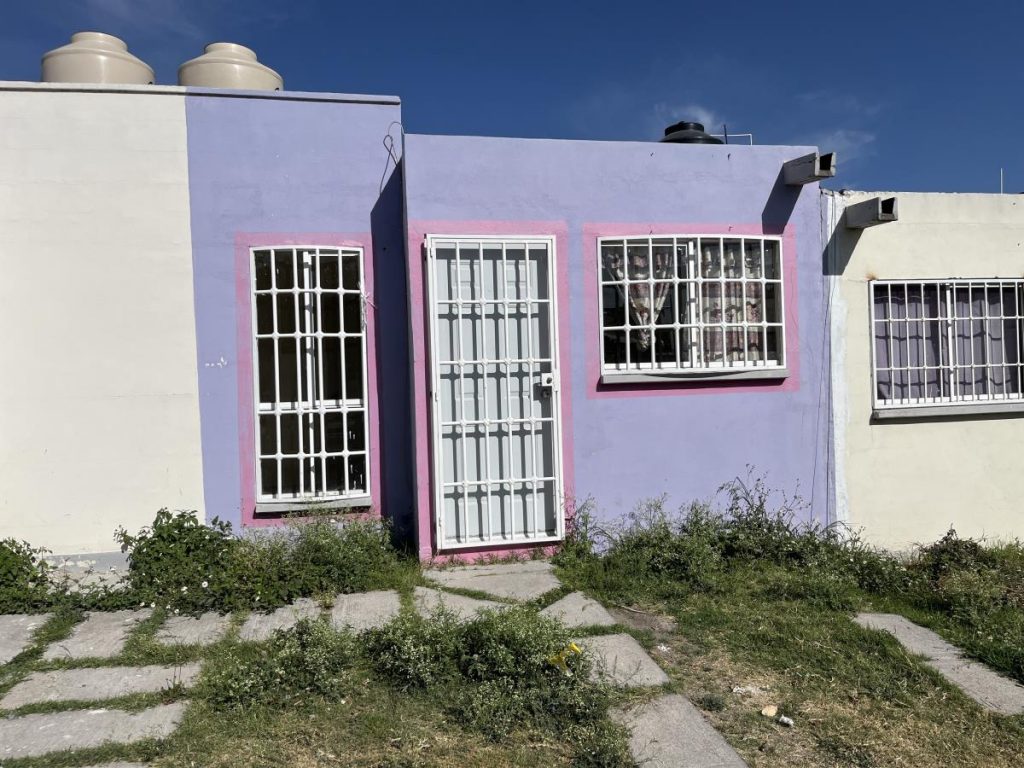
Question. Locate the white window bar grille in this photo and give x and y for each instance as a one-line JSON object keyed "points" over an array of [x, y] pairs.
{"points": [[947, 342], [497, 445], [693, 303], [310, 374]]}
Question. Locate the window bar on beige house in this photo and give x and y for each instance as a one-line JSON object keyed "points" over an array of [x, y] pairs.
{"points": [[947, 342]]}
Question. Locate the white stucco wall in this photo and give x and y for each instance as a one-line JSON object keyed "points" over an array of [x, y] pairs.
{"points": [[99, 407], [907, 482]]}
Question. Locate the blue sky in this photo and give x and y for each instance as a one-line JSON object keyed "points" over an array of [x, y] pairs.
{"points": [[914, 95]]}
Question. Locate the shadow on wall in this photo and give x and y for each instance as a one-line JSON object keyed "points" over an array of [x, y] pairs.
{"points": [[779, 206], [391, 311]]}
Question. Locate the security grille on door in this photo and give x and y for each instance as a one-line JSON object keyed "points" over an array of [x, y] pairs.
{"points": [[310, 376], [496, 416]]}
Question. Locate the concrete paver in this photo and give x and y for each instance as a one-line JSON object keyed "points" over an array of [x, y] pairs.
{"points": [[261, 626], [578, 610], [990, 689], [193, 630], [16, 632], [466, 608], [621, 660], [669, 732], [101, 636], [525, 580], [35, 735], [97, 683], [365, 610]]}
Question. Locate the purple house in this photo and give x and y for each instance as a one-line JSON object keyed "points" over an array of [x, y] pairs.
{"points": [[467, 336]]}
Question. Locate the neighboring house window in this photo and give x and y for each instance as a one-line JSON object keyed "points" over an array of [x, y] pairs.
{"points": [[310, 374], [691, 304], [948, 342]]}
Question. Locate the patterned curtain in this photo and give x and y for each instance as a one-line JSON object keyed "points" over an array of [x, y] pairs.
{"points": [[642, 309]]}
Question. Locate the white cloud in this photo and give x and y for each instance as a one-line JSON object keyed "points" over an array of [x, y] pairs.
{"points": [[664, 114], [848, 143]]}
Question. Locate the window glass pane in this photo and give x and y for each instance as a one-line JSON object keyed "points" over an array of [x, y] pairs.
{"points": [[330, 312], [684, 262], [330, 277], [754, 303], [640, 347], [663, 259], [665, 346], [289, 434], [772, 268], [289, 477], [288, 366], [638, 261], [332, 368], [286, 313], [356, 431], [264, 313], [268, 435], [268, 477], [612, 262], [773, 343], [640, 304], [714, 345], [615, 347], [733, 301], [733, 259], [334, 469], [773, 302], [284, 266], [613, 306], [357, 473], [262, 268], [752, 258], [353, 305], [334, 431], [687, 302], [265, 363], [711, 298], [353, 368], [710, 258], [350, 272], [664, 303]]}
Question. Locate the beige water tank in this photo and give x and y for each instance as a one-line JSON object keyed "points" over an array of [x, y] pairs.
{"points": [[229, 65], [95, 57]]}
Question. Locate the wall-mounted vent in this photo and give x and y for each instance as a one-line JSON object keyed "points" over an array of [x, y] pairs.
{"points": [[95, 57], [688, 133], [229, 65], [809, 168], [877, 210]]}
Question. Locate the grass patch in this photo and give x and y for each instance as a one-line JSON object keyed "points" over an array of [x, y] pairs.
{"points": [[762, 607]]}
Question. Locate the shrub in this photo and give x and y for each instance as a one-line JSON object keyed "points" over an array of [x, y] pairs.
{"points": [[181, 562], [415, 652], [24, 576], [354, 556], [310, 659]]}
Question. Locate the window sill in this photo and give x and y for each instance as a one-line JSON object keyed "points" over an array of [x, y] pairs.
{"points": [[300, 507], [665, 377], [947, 411]]}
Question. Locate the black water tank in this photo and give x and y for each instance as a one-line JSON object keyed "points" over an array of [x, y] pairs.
{"points": [[688, 133]]}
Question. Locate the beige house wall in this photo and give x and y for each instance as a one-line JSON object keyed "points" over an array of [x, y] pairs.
{"points": [[905, 482], [99, 405]]}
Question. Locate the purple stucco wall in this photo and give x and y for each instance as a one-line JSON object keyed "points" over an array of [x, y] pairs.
{"points": [[635, 442], [293, 170]]}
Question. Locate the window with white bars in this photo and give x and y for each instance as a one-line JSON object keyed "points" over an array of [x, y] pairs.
{"points": [[947, 342], [691, 304], [310, 374]]}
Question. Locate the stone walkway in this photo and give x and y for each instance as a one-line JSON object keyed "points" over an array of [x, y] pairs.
{"points": [[991, 690], [666, 731]]}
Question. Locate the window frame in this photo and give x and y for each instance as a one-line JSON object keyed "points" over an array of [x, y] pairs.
{"points": [[611, 374], [319, 407], [948, 357]]}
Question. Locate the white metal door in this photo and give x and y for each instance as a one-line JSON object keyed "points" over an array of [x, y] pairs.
{"points": [[496, 427]]}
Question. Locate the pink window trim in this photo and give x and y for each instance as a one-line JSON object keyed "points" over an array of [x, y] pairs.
{"points": [[418, 307], [592, 324], [244, 241]]}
